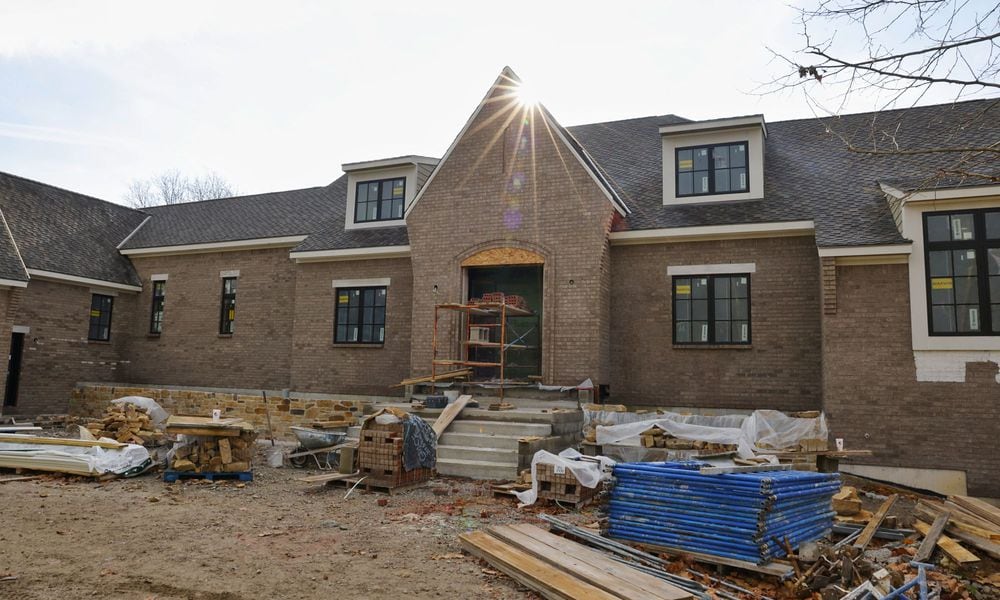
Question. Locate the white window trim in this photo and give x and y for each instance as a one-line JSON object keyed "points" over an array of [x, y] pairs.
{"points": [[158, 277], [408, 172], [913, 229], [224, 274], [356, 283], [21, 329], [717, 269]]}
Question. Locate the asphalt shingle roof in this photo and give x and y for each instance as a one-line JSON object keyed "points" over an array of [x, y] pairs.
{"points": [[11, 266], [331, 235], [809, 172], [64, 232], [275, 214]]}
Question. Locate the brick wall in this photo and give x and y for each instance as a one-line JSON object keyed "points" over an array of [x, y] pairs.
{"points": [[190, 351], [91, 400], [57, 353], [872, 397], [509, 181], [318, 364], [780, 370]]}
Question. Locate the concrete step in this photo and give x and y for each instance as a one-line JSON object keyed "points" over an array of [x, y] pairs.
{"points": [[501, 428], [477, 469], [493, 455], [479, 440]]}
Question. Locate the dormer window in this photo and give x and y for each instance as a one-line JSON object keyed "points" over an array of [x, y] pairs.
{"points": [[715, 169], [380, 200]]}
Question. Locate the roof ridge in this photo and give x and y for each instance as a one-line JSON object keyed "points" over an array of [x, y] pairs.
{"points": [[75, 193], [315, 187], [628, 119], [888, 110]]}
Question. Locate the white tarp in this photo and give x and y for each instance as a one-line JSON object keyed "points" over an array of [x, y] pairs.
{"points": [[587, 472], [92, 460], [761, 431], [156, 413]]}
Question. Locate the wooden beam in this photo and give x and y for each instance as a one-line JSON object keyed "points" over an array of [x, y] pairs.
{"points": [[25, 478], [439, 377], [979, 508], [589, 565], [550, 582], [959, 519], [950, 547], [876, 521], [931, 536], [449, 413], [48, 441]]}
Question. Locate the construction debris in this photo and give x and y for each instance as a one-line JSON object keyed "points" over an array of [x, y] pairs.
{"points": [[209, 446], [127, 423]]}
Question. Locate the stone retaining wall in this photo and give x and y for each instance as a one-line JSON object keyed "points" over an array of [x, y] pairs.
{"points": [[90, 400]]}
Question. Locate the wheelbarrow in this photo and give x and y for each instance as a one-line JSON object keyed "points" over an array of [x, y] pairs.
{"points": [[322, 446]]}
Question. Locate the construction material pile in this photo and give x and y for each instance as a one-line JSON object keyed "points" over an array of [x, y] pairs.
{"points": [[654, 437], [753, 516], [126, 423], [206, 445], [396, 449]]}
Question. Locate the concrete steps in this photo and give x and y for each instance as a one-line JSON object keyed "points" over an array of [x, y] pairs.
{"points": [[511, 428], [493, 455], [477, 469], [480, 440]]}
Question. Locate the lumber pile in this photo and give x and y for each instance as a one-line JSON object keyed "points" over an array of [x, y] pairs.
{"points": [[128, 424], [561, 569], [970, 522], [224, 446]]}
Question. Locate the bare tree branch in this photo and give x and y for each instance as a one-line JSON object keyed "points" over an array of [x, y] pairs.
{"points": [[172, 187]]}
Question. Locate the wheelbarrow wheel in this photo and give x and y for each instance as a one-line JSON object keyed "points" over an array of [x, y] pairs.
{"points": [[299, 462]]}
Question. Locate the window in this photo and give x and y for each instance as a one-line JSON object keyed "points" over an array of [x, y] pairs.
{"points": [[227, 322], [360, 315], [100, 317], [962, 258], [156, 314], [712, 309], [379, 200], [720, 169]]}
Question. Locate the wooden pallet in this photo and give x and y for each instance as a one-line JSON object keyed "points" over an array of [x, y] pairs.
{"points": [[172, 476], [375, 486]]}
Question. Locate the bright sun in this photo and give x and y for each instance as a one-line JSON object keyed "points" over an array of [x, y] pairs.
{"points": [[526, 95]]}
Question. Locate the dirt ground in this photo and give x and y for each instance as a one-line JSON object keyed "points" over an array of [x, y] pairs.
{"points": [[65, 538]]}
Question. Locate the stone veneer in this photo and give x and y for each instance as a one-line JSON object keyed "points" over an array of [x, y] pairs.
{"points": [[90, 400]]}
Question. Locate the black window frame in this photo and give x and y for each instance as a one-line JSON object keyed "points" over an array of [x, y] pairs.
{"points": [[159, 292], [982, 246], [710, 315], [378, 202], [711, 169], [227, 323], [361, 310], [100, 318]]}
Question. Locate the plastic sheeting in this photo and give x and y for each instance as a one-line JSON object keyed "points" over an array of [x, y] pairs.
{"points": [[93, 460], [156, 413], [587, 472], [758, 432]]}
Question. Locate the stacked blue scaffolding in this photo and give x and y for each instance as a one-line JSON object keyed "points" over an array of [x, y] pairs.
{"points": [[745, 516]]}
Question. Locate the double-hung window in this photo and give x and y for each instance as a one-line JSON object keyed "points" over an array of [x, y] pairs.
{"points": [[227, 320], [711, 309], [379, 200], [962, 258], [100, 317], [156, 312], [717, 169], [360, 315]]}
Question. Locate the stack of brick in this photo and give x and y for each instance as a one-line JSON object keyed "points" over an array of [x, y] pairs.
{"points": [[562, 487], [380, 457]]}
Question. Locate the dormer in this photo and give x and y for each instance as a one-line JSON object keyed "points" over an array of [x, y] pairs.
{"points": [[378, 191], [719, 160]]}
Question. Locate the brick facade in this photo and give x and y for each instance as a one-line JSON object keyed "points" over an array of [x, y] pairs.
{"points": [[872, 397], [190, 350], [510, 182], [319, 365], [57, 353], [780, 369]]}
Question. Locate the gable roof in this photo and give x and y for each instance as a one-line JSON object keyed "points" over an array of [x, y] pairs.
{"points": [[809, 172], [60, 231], [12, 268], [238, 218]]}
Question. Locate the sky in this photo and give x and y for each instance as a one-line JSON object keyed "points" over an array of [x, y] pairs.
{"points": [[278, 95]]}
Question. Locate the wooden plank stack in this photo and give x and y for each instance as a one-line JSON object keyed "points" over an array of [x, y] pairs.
{"points": [[561, 569], [970, 522], [128, 424], [380, 457]]}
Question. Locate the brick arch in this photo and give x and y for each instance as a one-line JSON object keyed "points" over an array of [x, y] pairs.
{"points": [[503, 256]]}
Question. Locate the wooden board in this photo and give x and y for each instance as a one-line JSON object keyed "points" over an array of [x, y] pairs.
{"points": [[981, 509], [590, 565], [449, 413], [991, 548], [778, 568], [25, 478], [959, 519], [876, 521], [327, 478], [931, 535], [177, 422], [541, 577], [950, 547], [439, 377], [49, 441]]}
